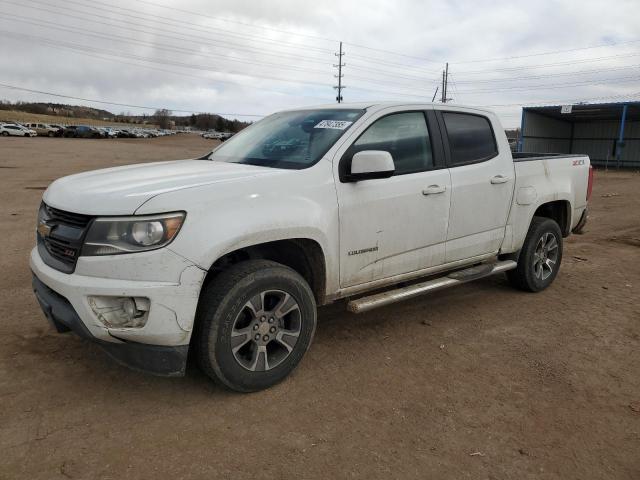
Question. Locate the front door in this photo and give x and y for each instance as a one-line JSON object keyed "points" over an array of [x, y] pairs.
{"points": [[393, 225]]}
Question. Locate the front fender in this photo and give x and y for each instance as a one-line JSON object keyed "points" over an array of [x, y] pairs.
{"points": [[221, 218]]}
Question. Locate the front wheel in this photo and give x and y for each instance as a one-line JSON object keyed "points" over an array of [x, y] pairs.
{"points": [[540, 256], [5, 134], [254, 324]]}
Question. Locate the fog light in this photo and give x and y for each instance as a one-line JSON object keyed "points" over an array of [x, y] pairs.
{"points": [[120, 312]]}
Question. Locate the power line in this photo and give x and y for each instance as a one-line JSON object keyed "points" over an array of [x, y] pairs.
{"points": [[198, 14], [548, 75], [183, 74], [159, 46], [75, 46], [243, 36], [563, 101], [403, 66], [156, 31], [547, 65], [555, 52], [554, 85], [388, 52], [130, 13], [13, 87], [298, 58], [246, 24]]}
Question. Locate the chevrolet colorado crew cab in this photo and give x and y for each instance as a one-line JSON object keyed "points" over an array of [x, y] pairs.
{"points": [[229, 255]]}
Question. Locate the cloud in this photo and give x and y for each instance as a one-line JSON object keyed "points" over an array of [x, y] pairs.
{"points": [[237, 57]]}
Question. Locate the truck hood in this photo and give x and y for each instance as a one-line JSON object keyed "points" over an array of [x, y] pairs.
{"points": [[122, 190]]}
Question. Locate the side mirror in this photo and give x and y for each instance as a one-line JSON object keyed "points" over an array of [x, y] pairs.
{"points": [[370, 164]]}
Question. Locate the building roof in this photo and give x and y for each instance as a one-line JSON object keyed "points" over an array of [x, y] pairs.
{"points": [[590, 111]]}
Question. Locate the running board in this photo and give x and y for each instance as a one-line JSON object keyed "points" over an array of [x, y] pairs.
{"points": [[364, 304]]}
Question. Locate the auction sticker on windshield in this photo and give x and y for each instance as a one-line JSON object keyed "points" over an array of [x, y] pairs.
{"points": [[336, 124]]}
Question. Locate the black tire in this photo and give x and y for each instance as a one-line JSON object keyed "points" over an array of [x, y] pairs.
{"points": [[51, 134], [534, 273], [27, 135], [223, 311], [5, 134]]}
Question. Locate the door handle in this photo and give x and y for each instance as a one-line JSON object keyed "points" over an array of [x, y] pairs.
{"points": [[433, 189], [499, 179]]}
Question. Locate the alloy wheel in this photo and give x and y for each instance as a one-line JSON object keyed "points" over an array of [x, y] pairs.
{"points": [[266, 330], [545, 256]]}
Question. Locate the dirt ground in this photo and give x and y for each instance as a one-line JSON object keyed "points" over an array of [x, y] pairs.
{"points": [[478, 382]]}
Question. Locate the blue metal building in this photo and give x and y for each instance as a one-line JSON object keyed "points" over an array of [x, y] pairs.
{"points": [[608, 132]]}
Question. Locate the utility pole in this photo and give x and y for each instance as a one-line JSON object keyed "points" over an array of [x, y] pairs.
{"points": [[445, 81], [434, 94], [339, 66]]}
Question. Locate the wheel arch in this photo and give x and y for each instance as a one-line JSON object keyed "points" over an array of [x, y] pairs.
{"points": [[303, 255], [557, 210]]}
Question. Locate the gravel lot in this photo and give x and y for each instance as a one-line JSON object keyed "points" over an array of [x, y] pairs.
{"points": [[478, 382]]}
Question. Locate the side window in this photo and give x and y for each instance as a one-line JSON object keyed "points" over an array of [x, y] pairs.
{"points": [[405, 136], [471, 138]]}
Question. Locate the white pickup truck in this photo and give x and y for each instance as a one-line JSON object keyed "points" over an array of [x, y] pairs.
{"points": [[230, 254]]}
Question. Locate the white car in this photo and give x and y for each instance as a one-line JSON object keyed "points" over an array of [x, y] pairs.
{"points": [[15, 130], [231, 253]]}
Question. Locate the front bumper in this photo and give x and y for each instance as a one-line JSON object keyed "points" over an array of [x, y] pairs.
{"points": [[154, 359], [161, 345]]}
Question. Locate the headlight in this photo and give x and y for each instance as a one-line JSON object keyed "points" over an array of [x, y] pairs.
{"points": [[114, 235]]}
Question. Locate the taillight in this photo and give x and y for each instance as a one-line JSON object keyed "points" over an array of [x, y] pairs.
{"points": [[590, 183]]}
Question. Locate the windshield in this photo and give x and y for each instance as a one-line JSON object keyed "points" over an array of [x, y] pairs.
{"points": [[293, 140]]}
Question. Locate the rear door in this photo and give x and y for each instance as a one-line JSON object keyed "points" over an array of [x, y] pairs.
{"points": [[395, 225], [482, 182]]}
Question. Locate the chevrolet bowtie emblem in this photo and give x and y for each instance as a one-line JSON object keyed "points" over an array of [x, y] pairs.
{"points": [[44, 229]]}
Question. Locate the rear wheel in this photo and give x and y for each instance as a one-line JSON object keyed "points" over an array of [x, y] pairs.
{"points": [[5, 134], [254, 324], [540, 256], [51, 134]]}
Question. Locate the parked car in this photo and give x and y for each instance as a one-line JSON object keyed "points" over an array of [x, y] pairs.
{"points": [[43, 129], [85, 131], [230, 254], [69, 131], [125, 133], [107, 132], [59, 127], [15, 130]]}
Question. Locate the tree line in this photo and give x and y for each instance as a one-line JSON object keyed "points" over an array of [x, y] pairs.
{"points": [[163, 117]]}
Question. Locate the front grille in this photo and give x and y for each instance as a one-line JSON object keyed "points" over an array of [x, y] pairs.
{"points": [[66, 218], [60, 249], [61, 246]]}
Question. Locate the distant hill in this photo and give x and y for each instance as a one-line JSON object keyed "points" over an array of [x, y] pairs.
{"points": [[163, 118], [58, 109]]}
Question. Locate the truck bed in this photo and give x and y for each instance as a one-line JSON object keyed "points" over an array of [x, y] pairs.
{"points": [[530, 156]]}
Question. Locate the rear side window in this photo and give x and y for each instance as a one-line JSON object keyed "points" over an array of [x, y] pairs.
{"points": [[471, 138], [405, 136]]}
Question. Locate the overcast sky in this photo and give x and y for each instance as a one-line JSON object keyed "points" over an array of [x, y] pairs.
{"points": [[254, 57]]}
